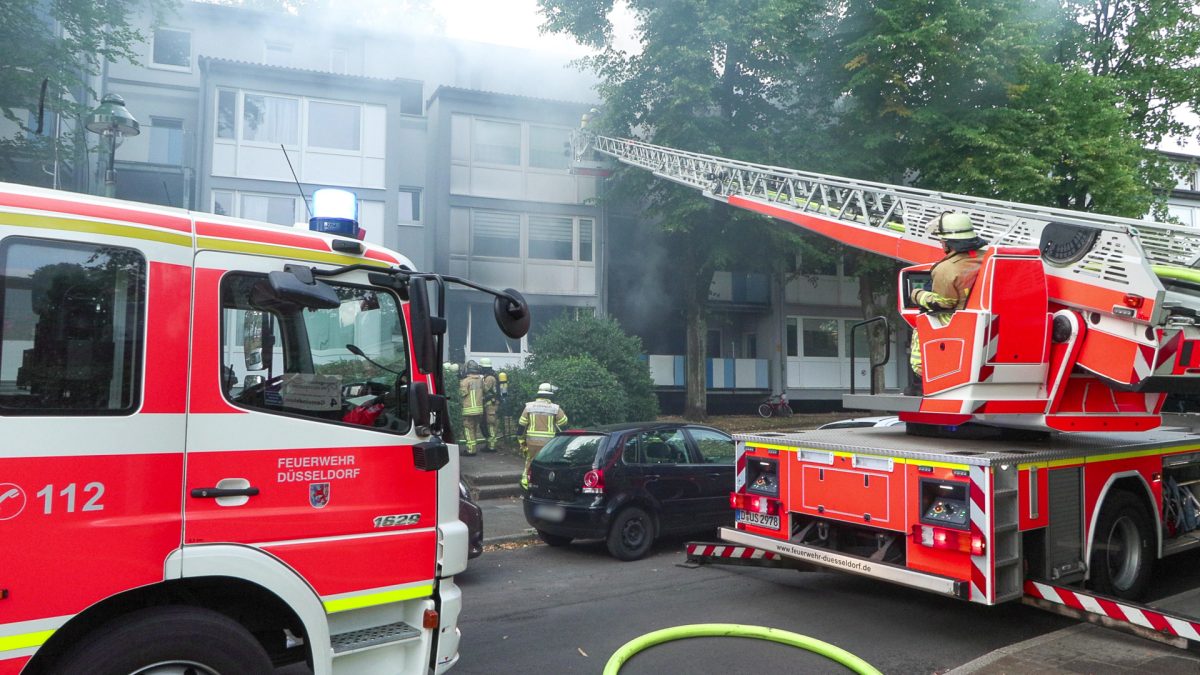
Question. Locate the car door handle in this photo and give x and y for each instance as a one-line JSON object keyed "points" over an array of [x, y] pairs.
{"points": [[215, 492], [653, 475]]}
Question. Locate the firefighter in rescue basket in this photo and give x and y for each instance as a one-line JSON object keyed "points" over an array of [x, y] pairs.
{"points": [[952, 278]]}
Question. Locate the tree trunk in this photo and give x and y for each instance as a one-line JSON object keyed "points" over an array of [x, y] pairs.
{"points": [[696, 371]]}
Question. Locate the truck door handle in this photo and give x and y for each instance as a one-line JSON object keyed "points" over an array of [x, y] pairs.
{"points": [[214, 492]]}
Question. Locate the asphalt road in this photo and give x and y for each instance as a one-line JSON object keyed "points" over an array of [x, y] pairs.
{"points": [[566, 610]]}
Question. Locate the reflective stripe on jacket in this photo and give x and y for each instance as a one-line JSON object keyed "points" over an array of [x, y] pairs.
{"points": [[471, 389], [542, 418]]}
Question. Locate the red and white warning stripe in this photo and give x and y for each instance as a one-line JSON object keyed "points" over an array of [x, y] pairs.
{"points": [[1139, 616], [739, 479], [719, 551], [981, 567]]}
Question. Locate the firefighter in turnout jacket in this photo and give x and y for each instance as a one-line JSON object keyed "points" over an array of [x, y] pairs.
{"points": [[491, 403], [952, 278], [471, 389], [540, 421]]}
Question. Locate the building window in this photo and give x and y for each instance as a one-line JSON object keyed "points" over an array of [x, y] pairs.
{"points": [[495, 234], [496, 143], [821, 337], [550, 237], [548, 148], [334, 125], [270, 119], [862, 346], [172, 48], [585, 240], [750, 346], [793, 336], [277, 54], [486, 336], [166, 141], [226, 114], [713, 344], [269, 209], [72, 336], [410, 205], [222, 202]]}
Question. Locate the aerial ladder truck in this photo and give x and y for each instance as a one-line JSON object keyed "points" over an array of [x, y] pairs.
{"points": [[1077, 322]]}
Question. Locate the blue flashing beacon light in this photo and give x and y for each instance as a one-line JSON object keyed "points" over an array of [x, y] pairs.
{"points": [[334, 212]]}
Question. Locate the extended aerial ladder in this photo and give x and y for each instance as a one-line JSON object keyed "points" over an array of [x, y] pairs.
{"points": [[1077, 322]]}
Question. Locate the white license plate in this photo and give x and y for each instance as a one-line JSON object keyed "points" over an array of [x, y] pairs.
{"points": [[761, 520], [551, 512]]}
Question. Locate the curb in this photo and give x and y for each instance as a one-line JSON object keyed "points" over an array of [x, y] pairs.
{"points": [[508, 538], [988, 659]]}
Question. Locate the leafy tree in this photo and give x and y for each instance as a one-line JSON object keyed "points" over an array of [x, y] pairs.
{"points": [[708, 79], [589, 393], [63, 44], [603, 340]]}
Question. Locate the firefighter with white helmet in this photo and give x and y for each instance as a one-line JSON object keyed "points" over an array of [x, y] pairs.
{"points": [[952, 278], [541, 419], [491, 403], [471, 390]]}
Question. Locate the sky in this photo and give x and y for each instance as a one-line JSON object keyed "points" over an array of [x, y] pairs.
{"points": [[515, 23]]}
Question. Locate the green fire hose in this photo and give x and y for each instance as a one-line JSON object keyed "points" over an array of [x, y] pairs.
{"points": [[814, 645]]}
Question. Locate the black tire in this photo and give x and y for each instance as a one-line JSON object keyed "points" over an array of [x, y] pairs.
{"points": [[210, 642], [1123, 550], [765, 410], [631, 534], [553, 540]]}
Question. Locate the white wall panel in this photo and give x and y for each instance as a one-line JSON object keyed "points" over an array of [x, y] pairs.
{"points": [[496, 183], [224, 159], [550, 279], [267, 163], [496, 273], [373, 173], [460, 138], [330, 169], [460, 180], [587, 280], [374, 131], [544, 187], [460, 231], [370, 216]]}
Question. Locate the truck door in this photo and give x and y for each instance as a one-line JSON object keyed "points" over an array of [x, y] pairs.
{"points": [[92, 390], [298, 445]]}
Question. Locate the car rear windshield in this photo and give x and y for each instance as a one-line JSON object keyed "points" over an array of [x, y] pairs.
{"points": [[570, 450]]}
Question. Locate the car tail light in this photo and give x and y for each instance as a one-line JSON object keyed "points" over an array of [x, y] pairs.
{"points": [[593, 482], [753, 503], [948, 540]]}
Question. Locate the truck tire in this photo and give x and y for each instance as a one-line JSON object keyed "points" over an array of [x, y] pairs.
{"points": [[631, 534], [1123, 549], [168, 640], [553, 540]]}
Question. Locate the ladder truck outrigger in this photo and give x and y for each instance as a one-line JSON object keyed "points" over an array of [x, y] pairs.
{"points": [[1076, 329]]}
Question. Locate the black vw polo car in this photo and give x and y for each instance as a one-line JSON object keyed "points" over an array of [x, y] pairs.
{"points": [[630, 483]]}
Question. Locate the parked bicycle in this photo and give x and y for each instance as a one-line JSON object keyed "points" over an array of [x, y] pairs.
{"points": [[775, 404]]}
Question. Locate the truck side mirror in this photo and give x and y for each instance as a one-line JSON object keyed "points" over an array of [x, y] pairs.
{"points": [[512, 314], [311, 294], [425, 327], [418, 407]]}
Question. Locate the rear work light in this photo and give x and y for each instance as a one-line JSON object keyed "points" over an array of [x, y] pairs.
{"points": [[948, 540], [593, 482], [753, 503]]}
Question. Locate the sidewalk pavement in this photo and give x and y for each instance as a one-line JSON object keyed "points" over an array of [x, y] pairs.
{"points": [[494, 480]]}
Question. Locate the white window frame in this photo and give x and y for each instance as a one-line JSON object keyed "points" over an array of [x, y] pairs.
{"points": [[301, 120], [236, 202], [151, 63], [521, 144], [305, 102], [523, 248]]}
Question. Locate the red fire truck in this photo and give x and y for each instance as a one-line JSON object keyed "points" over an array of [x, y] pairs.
{"points": [[225, 445], [1077, 323]]}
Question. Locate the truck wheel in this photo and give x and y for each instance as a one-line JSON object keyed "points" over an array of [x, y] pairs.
{"points": [[168, 641], [631, 534], [1123, 551], [554, 540]]}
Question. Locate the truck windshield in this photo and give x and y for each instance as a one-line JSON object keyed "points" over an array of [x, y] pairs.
{"points": [[344, 365]]}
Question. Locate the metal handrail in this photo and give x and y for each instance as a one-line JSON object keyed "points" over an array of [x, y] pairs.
{"points": [[887, 346]]}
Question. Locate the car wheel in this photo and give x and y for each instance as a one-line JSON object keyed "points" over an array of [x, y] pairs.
{"points": [[765, 410], [553, 539], [631, 534], [1122, 553], [167, 640]]}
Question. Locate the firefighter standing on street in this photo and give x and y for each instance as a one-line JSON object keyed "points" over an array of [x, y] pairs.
{"points": [[491, 403], [952, 279], [539, 422], [471, 389]]}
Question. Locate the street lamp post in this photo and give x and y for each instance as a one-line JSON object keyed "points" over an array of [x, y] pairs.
{"points": [[112, 122]]}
